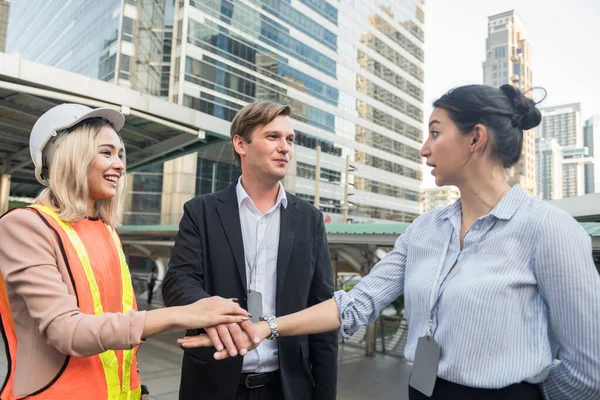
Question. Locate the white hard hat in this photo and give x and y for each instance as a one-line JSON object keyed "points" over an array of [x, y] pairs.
{"points": [[60, 118]]}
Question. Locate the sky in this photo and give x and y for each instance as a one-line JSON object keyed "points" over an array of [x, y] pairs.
{"points": [[565, 37]]}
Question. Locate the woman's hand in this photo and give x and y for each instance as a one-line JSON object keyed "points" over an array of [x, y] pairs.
{"points": [[242, 341], [211, 311]]}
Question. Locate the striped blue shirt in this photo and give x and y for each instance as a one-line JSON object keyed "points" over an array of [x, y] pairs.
{"points": [[526, 288]]}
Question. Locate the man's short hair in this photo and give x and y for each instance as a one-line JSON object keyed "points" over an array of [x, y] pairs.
{"points": [[251, 117]]}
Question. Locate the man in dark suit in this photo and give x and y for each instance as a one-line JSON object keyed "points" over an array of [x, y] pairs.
{"points": [[257, 243]]}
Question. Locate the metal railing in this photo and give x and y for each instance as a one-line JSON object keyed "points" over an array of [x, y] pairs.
{"points": [[390, 336]]}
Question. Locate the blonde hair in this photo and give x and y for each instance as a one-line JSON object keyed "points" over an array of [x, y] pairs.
{"points": [[67, 190]]}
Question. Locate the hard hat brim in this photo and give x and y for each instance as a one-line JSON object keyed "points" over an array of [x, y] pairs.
{"points": [[116, 119]]}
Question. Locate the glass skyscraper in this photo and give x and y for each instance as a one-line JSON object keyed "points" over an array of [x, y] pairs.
{"points": [[126, 42], [352, 71], [79, 36]]}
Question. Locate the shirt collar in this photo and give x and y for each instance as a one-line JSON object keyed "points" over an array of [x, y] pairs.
{"points": [[510, 203], [243, 195], [514, 199]]}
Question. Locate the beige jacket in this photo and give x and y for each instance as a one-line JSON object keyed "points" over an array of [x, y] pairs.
{"points": [[48, 324]]}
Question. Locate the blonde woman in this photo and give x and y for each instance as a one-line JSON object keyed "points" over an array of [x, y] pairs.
{"points": [[68, 313]]}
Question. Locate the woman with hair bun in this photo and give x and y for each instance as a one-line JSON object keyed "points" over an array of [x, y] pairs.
{"points": [[501, 292]]}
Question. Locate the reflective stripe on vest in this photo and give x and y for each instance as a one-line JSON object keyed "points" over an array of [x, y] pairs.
{"points": [[116, 388]]}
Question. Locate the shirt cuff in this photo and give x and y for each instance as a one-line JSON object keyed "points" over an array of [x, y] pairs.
{"points": [[136, 328], [345, 303]]}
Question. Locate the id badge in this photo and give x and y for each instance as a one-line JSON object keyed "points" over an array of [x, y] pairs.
{"points": [[425, 367], [255, 305]]}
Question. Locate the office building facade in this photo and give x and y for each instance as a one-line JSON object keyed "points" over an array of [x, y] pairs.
{"points": [[351, 70], [591, 140], [509, 61], [3, 22], [432, 198], [352, 73], [563, 123], [549, 169]]}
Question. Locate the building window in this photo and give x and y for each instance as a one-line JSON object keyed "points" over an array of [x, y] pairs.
{"points": [[128, 29], [309, 172], [500, 52], [124, 72], [517, 69], [326, 205], [309, 141]]}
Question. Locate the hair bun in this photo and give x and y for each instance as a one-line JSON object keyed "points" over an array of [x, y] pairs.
{"points": [[526, 115]]}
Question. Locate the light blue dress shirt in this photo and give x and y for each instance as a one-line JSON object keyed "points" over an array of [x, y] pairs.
{"points": [[256, 228], [526, 288]]}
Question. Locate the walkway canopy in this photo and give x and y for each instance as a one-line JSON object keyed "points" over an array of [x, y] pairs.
{"points": [[354, 247], [584, 208], [155, 130]]}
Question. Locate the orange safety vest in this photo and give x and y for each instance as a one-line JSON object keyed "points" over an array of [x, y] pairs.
{"points": [[111, 375]]}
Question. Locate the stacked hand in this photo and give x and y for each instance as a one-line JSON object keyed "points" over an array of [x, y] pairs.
{"points": [[212, 311], [229, 339]]}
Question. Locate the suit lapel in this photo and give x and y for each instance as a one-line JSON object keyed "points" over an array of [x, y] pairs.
{"points": [[227, 208], [287, 232]]}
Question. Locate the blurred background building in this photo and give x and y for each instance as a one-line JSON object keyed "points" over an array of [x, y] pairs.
{"points": [[591, 140], [3, 22], [351, 70], [549, 172], [432, 198], [509, 61], [563, 123]]}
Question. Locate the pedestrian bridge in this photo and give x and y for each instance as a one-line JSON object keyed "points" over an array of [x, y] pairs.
{"points": [[155, 130], [354, 248]]}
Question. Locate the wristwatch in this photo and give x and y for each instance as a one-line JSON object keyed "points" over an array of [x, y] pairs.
{"points": [[270, 319]]}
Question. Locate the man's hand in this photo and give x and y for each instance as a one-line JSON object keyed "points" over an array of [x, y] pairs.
{"points": [[233, 337], [241, 338]]}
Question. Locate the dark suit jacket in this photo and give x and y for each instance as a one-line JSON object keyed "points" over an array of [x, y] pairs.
{"points": [[208, 260]]}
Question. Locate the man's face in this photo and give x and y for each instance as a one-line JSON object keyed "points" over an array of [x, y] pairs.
{"points": [[270, 150]]}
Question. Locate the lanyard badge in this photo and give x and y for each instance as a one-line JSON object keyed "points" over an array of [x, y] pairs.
{"points": [[255, 302], [427, 356]]}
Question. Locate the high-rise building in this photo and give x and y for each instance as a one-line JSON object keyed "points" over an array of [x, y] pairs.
{"points": [[591, 140], [3, 21], [549, 169], [351, 70], [508, 61], [112, 40], [122, 42], [563, 123], [575, 159], [432, 198]]}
